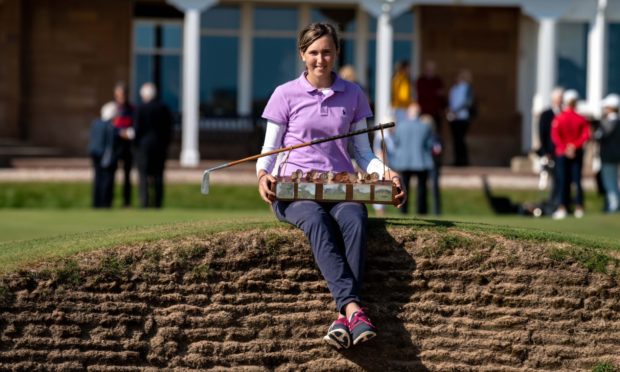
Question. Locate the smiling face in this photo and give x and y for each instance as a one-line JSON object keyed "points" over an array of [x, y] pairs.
{"points": [[319, 60]]}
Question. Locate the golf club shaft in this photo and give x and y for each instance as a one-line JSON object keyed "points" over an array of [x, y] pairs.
{"points": [[309, 143]]}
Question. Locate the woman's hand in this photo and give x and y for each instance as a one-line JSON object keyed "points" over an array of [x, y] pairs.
{"points": [[401, 197], [265, 180]]}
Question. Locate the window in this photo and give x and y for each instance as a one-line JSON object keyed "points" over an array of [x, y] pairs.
{"points": [[219, 58], [274, 45], [344, 20], [218, 75], [221, 18], [275, 19], [572, 56], [613, 48], [157, 59]]}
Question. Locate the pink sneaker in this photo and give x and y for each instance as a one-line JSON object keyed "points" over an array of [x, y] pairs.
{"points": [[361, 328], [338, 334]]}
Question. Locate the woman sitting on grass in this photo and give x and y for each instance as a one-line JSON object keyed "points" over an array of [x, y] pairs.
{"points": [[320, 104]]}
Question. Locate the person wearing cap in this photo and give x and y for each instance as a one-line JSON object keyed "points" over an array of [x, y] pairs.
{"points": [[569, 133], [608, 136]]}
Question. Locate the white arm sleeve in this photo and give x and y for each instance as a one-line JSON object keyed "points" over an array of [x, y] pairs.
{"points": [[362, 152], [274, 134]]}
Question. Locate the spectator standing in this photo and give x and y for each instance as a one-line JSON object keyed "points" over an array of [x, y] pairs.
{"points": [[608, 135], [347, 72], [460, 107], [101, 150], [569, 132], [412, 155], [431, 94], [401, 86], [547, 148], [402, 96], [431, 97], [153, 129], [124, 128]]}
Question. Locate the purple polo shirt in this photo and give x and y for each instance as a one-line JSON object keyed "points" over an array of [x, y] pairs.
{"points": [[308, 114]]}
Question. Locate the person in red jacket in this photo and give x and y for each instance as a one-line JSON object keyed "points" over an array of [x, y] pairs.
{"points": [[123, 123], [569, 133]]}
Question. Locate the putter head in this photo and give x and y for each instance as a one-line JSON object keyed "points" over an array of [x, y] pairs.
{"points": [[204, 188]]}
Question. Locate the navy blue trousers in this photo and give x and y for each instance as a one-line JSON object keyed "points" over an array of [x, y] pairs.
{"points": [[337, 235], [421, 203], [569, 172]]}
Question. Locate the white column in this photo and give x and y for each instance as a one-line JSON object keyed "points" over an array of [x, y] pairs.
{"points": [[385, 11], [546, 63], [383, 75], [597, 60], [244, 80], [191, 75], [190, 156]]}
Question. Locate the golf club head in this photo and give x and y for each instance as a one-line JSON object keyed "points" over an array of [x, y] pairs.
{"points": [[204, 188]]}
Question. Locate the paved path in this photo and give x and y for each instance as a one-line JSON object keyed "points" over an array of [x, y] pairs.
{"points": [[78, 169]]}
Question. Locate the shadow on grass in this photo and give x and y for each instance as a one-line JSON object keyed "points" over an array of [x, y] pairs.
{"points": [[414, 222], [387, 289]]}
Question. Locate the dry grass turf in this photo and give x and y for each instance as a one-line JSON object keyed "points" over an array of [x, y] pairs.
{"points": [[444, 298]]}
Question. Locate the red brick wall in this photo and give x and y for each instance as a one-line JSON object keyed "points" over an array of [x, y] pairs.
{"points": [[10, 42], [73, 54], [485, 41]]}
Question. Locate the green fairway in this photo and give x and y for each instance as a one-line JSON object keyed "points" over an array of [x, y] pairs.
{"points": [[16, 224], [113, 230], [595, 227], [25, 224], [37, 219]]}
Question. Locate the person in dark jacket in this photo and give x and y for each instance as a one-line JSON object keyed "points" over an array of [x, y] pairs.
{"points": [[123, 123], [431, 95], [547, 148], [153, 131], [608, 135], [101, 151]]}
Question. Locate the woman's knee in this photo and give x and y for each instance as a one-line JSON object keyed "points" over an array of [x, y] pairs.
{"points": [[350, 213]]}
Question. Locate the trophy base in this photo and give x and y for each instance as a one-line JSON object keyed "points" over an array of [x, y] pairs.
{"points": [[379, 192]]}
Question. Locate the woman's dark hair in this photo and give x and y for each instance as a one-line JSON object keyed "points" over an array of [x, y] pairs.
{"points": [[315, 31]]}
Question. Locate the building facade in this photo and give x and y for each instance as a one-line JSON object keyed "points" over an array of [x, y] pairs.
{"points": [[217, 62]]}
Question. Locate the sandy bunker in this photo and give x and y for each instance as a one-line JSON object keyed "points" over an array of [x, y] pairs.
{"points": [[443, 299]]}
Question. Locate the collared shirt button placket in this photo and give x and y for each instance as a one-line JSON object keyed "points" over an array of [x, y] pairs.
{"points": [[322, 107]]}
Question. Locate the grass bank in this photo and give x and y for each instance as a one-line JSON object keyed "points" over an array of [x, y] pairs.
{"points": [[246, 294], [64, 233]]}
